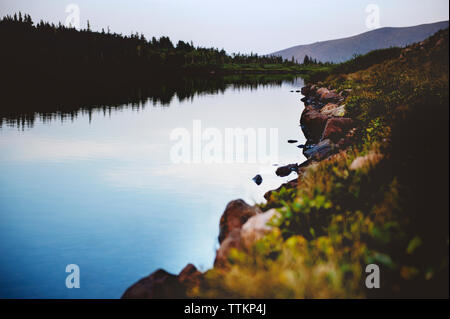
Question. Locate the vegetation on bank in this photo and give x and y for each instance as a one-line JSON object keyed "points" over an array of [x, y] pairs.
{"points": [[384, 200], [318, 71]]}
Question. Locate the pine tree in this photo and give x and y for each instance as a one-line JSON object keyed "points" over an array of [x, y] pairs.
{"points": [[306, 60]]}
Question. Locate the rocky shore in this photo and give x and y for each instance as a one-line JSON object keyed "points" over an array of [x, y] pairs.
{"points": [[327, 130], [363, 196]]}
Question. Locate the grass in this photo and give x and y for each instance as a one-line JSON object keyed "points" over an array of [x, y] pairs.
{"points": [[296, 68]]}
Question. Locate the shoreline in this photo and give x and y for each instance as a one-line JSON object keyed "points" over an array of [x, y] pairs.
{"points": [[365, 196], [241, 225]]}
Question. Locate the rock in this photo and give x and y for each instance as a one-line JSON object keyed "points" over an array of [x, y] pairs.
{"points": [[320, 150], [331, 97], [257, 179], [161, 284], [235, 215], [283, 171], [332, 109], [336, 128], [158, 285], [321, 92], [313, 123], [336, 112], [233, 240], [256, 227], [292, 141], [189, 276], [328, 108], [368, 160], [307, 89]]}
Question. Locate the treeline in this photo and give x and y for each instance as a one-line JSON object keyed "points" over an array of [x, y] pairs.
{"points": [[307, 60], [48, 51]]}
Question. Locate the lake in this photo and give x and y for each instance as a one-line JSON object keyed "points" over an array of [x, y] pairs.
{"points": [[98, 187]]}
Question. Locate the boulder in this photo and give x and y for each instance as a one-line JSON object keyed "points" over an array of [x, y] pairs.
{"points": [[286, 170], [307, 89], [322, 92], [320, 150], [233, 240], [235, 215], [333, 109], [328, 108], [161, 284], [336, 128], [338, 111], [313, 123], [330, 96], [368, 160], [256, 227], [158, 285], [189, 276]]}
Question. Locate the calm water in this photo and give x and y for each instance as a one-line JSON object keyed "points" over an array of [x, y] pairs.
{"points": [[101, 192]]}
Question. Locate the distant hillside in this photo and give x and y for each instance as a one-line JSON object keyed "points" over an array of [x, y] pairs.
{"points": [[343, 49]]}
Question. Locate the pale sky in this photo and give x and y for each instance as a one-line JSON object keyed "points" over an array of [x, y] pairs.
{"points": [[261, 26]]}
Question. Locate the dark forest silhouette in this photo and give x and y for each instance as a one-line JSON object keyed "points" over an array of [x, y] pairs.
{"points": [[49, 69], [67, 53]]}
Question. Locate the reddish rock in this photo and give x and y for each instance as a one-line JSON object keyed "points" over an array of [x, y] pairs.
{"points": [[313, 123], [189, 276], [336, 128], [233, 240], [158, 285], [235, 215], [161, 284], [321, 92], [331, 97]]}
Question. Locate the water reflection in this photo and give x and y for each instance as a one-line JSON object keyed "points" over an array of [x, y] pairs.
{"points": [[65, 102], [101, 192]]}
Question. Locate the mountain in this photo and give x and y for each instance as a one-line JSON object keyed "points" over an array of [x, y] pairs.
{"points": [[340, 50]]}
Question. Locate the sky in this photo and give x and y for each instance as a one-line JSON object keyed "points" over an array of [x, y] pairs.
{"points": [[259, 26]]}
